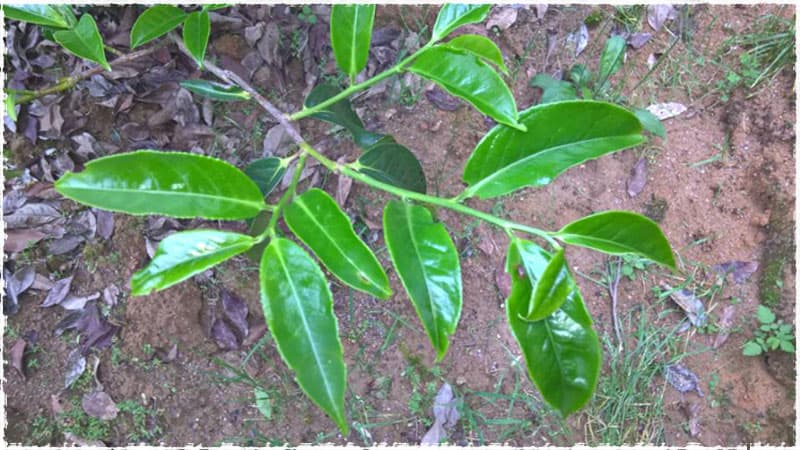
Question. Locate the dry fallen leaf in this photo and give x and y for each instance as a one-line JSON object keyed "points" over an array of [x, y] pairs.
{"points": [[16, 354], [58, 293], [690, 304], [445, 416], [638, 178], [657, 15], [99, 405], [343, 185], [725, 325], [16, 284], [741, 270], [20, 239], [76, 365], [502, 18], [442, 99], [667, 110], [682, 379]]}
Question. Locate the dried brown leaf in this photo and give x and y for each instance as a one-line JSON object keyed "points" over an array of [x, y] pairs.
{"points": [[638, 177], [16, 354], [58, 293], [99, 405]]}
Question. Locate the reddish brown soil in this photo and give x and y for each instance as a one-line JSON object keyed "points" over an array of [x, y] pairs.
{"points": [[736, 205]]}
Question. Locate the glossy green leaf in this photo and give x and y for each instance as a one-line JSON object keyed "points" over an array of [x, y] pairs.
{"points": [[316, 219], [481, 47], [466, 76], [560, 135], [611, 58], [298, 307], [181, 255], [66, 12], [340, 113], [266, 173], [351, 31], [427, 263], [553, 90], [173, 184], [391, 163], [215, 6], [619, 233], [553, 285], [47, 15], [196, 30], [454, 15], [216, 91], [256, 226], [155, 22], [650, 122], [84, 40], [561, 351]]}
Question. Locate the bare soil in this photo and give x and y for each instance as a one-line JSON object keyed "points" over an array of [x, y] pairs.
{"points": [[738, 207]]}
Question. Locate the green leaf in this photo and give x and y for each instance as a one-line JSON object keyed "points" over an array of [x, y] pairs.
{"points": [[454, 15], [553, 286], [196, 29], [47, 15], [10, 103], [340, 113], [181, 255], [427, 263], [256, 226], [611, 58], [466, 76], [266, 173], [751, 349], [560, 135], [215, 6], [66, 12], [481, 47], [316, 219], [553, 90], [562, 351], [173, 184], [216, 91], [155, 22], [773, 342], [298, 307], [351, 31], [619, 233], [391, 163], [650, 122], [787, 346], [764, 315], [84, 40], [263, 402]]}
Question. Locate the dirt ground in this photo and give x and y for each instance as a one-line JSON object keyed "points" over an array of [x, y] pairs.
{"points": [[722, 186]]}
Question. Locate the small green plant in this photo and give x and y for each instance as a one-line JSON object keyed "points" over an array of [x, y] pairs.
{"points": [[306, 15], [140, 431], [43, 431], [772, 334], [545, 310]]}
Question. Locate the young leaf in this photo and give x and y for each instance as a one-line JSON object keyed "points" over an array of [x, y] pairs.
{"points": [[562, 351], [298, 307], [787, 346], [553, 285], [196, 29], [764, 315], [611, 58], [10, 103], [316, 219], [47, 15], [427, 263], [84, 40], [340, 113], [351, 31], [454, 15], [558, 138], [155, 22], [266, 173], [553, 90], [468, 77], [216, 91], [181, 255], [172, 184], [481, 47], [391, 163], [751, 349], [650, 122], [619, 233], [263, 402]]}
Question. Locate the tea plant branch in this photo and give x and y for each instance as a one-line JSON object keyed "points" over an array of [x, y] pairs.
{"points": [[333, 166], [352, 89], [285, 198], [69, 82]]}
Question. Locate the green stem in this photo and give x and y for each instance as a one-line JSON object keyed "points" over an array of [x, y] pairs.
{"points": [[305, 112], [287, 196], [506, 225]]}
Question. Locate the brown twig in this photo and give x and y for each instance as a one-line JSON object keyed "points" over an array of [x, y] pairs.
{"points": [[232, 78], [613, 289], [70, 82]]}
